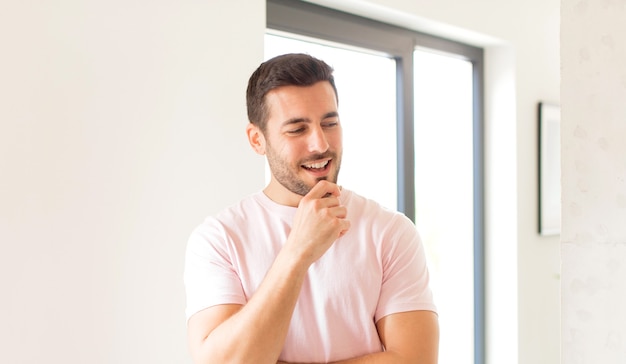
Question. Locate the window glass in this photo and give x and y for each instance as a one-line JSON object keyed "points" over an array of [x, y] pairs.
{"points": [[444, 194]]}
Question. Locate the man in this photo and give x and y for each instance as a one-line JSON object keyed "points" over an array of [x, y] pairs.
{"points": [[305, 271]]}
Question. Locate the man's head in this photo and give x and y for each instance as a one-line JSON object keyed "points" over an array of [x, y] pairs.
{"points": [[294, 122], [294, 69]]}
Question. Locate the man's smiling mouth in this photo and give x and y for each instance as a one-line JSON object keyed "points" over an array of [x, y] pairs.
{"points": [[316, 166]]}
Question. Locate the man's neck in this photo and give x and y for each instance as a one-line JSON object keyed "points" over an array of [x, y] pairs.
{"points": [[282, 196]]}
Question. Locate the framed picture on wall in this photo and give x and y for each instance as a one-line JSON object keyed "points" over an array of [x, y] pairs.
{"points": [[549, 116]]}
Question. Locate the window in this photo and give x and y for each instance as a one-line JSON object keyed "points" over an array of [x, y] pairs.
{"points": [[414, 103]]}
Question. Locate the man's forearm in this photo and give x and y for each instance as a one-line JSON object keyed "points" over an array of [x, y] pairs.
{"points": [[409, 337], [257, 332], [376, 358]]}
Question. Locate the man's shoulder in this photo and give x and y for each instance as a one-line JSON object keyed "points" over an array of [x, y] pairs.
{"points": [[245, 209], [366, 213], [239, 208], [229, 221], [369, 207]]}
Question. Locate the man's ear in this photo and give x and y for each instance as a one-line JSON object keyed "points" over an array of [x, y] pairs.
{"points": [[256, 138]]}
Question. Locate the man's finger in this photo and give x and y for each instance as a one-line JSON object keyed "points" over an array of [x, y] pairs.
{"points": [[324, 188]]}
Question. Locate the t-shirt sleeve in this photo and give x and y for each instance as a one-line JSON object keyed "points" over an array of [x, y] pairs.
{"points": [[405, 285], [209, 276]]}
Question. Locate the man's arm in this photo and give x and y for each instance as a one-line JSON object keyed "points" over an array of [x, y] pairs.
{"points": [[256, 331], [408, 337]]}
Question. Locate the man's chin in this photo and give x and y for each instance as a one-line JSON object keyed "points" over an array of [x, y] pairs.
{"points": [[303, 188], [299, 189]]}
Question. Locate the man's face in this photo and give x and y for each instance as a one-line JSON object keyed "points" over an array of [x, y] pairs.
{"points": [[303, 139]]}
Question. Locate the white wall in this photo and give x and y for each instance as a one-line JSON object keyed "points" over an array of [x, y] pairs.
{"points": [[593, 207], [122, 127]]}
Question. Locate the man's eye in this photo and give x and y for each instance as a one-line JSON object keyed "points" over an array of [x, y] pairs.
{"points": [[331, 124], [295, 131]]}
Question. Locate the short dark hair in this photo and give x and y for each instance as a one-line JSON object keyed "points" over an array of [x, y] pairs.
{"points": [[295, 69]]}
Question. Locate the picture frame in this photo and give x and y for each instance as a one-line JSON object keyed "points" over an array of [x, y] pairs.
{"points": [[549, 162]]}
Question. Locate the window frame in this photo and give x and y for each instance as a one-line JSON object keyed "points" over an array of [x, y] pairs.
{"points": [[299, 17]]}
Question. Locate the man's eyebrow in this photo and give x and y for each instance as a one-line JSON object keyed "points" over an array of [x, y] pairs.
{"points": [[328, 115], [295, 121], [332, 114]]}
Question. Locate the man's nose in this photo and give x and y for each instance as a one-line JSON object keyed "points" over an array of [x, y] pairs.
{"points": [[317, 140]]}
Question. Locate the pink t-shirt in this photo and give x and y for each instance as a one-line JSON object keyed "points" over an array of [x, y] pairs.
{"points": [[377, 268]]}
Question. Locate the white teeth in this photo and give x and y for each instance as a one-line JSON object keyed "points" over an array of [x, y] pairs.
{"points": [[317, 165]]}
